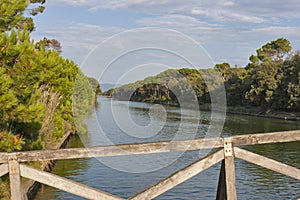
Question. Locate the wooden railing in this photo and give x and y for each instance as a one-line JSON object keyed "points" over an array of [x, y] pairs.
{"points": [[225, 150]]}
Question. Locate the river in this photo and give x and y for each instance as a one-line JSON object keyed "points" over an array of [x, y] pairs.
{"points": [[128, 175]]}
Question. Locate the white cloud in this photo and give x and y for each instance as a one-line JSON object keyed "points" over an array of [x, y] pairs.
{"points": [[245, 18], [254, 11], [279, 30], [73, 2], [224, 44], [227, 3], [290, 32], [179, 22], [111, 4], [226, 15], [224, 27], [78, 39], [123, 4], [271, 8]]}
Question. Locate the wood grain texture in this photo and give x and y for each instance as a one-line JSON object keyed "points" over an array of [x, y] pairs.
{"points": [[264, 138], [65, 184], [153, 147], [267, 163], [118, 150], [229, 170], [3, 169], [15, 180], [180, 176]]}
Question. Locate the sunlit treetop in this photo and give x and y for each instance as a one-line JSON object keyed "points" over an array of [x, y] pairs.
{"points": [[18, 14]]}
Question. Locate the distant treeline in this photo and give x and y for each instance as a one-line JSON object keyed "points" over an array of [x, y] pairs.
{"points": [[271, 80]]}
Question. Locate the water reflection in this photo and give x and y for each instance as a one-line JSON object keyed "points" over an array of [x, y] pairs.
{"points": [[253, 182]]}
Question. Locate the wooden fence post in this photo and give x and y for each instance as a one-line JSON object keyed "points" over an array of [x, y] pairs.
{"points": [[16, 189], [229, 170]]}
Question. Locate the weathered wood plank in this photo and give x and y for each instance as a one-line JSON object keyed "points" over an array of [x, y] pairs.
{"points": [[264, 138], [221, 192], [154, 147], [230, 178], [229, 170], [65, 184], [15, 181], [117, 150], [180, 176], [3, 157], [267, 163], [3, 169]]}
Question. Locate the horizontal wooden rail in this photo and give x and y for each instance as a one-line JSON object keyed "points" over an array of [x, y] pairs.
{"points": [[119, 150], [266, 138], [153, 147]]}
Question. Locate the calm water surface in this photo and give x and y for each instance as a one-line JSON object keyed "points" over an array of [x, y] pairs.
{"points": [[253, 182]]}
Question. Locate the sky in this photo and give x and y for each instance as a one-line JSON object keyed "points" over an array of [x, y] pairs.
{"points": [[226, 30]]}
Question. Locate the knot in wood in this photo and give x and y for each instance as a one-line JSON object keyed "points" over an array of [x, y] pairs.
{"points": [[12, 156]]}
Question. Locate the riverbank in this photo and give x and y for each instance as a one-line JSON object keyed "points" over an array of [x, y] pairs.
{"points": [[258, 112], [31, 187], [241, 110]]}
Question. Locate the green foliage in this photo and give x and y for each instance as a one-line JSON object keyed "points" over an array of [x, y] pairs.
{"points": [[289, 92], [83, 100], [20, 92], [271, 52], [35, 143], [12, 14], [237, 86], [169, 87], [274, 50], [223, 69], [26, 68], [271, 81], [95, 85], [266, 73], [10, 142], [4, 188]]}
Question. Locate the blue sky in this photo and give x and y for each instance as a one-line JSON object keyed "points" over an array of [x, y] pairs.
{"points": [[229, 30]]}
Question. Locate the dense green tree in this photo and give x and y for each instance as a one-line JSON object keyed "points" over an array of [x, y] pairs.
{"points": [[272, 51], [95, 85], [36, 83], [12, 14], [266, 72], [289, 93], [223, 69], [236, 86], [21, 72]]}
